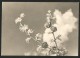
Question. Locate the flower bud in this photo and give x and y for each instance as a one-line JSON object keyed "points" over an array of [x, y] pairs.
{"points": [[54, 29], [47, 25], [44, 45]]}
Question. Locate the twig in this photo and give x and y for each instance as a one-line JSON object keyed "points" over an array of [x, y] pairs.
{"points": [[55, 42]]}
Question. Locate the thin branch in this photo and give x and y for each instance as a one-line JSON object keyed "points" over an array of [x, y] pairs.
{"points": [[55, 42]]}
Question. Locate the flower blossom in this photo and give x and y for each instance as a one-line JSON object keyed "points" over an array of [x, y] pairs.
{"points": [[23, 28], [38, 36], [39, 48], [53, 55], [27, 54], [27, 40], [22, 15], [29, 31], [18, 20], [45, 52], [49, 11]]}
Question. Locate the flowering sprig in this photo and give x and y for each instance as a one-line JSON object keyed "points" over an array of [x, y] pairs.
{"points": [[43, 48], [48, 42]]}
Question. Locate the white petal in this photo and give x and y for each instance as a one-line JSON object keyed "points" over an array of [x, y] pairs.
{"points": [[30, 31], [23, 28], [27, 40], [27, 54], [53, 55], [39, 48], [49, 11], [22, 15]]}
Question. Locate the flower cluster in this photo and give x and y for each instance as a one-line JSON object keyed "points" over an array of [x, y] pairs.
{"points": [[23, 27], [50, 41]]}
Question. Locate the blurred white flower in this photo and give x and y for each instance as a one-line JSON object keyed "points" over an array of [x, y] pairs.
{"points": [[23, 28], [29, 31], [48, 19], [28, 39], [27, 54], [49, 11], [22, 15], [39, 48], [48, 14], [47, 24], [38, 36], [53, 55], [18, 20], [65, 22], [48, 30], [45, 52]]}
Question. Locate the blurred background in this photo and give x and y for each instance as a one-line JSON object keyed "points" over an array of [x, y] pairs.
{"points": [[13, 41]]}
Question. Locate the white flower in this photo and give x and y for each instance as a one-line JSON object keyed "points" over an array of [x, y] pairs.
{"points": [[29, 31], [18, 20], [22, 15], [48, 19], [27, 54], [49, 11], [53, 55], [39, 48], [38, 36], [23, 28], [48, 15], [27, 40], [45, 52], [48, 30]]}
